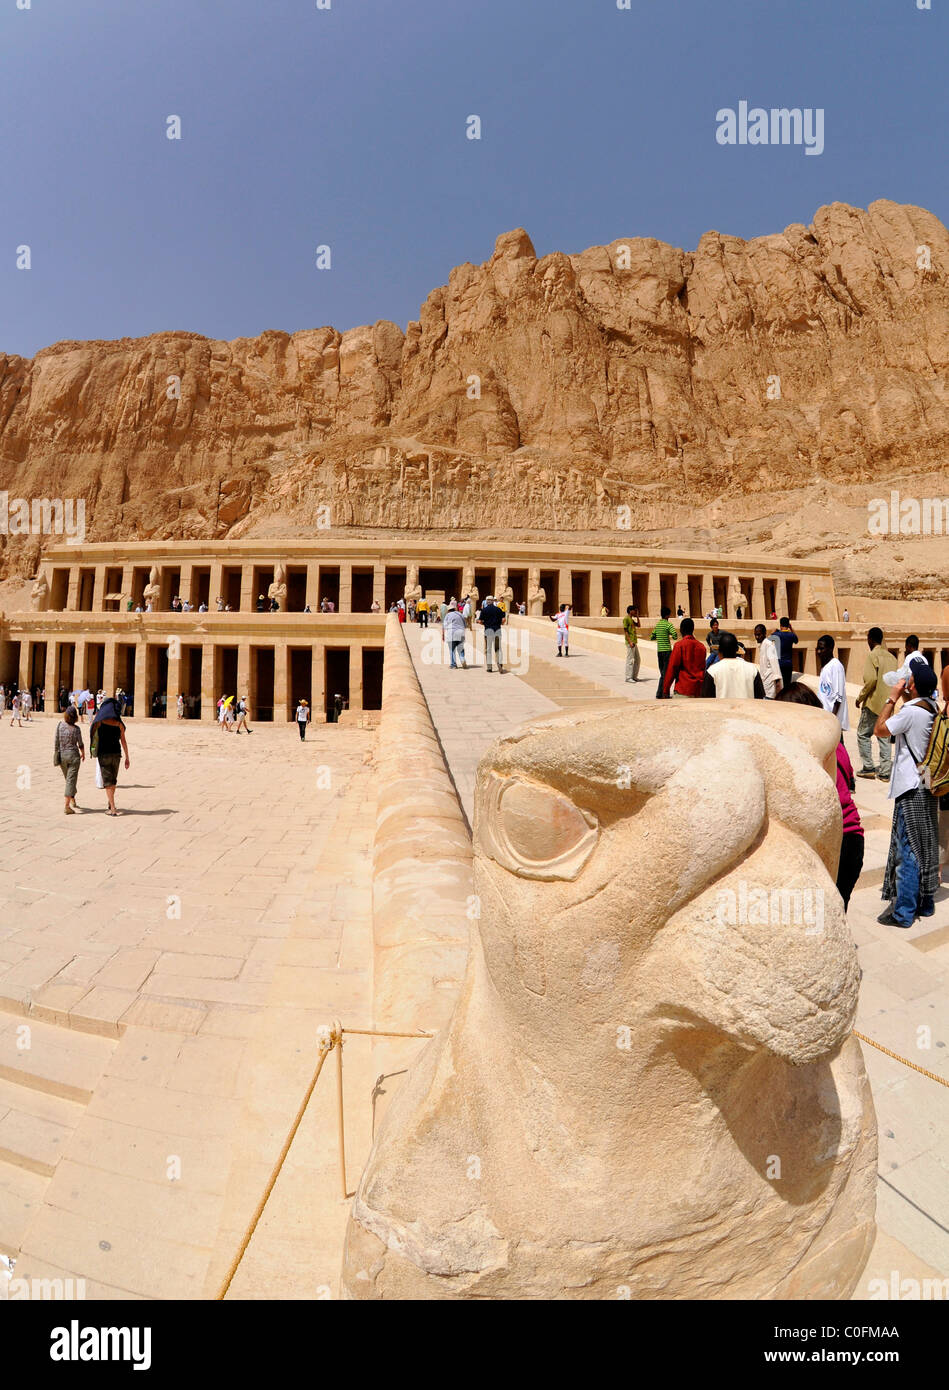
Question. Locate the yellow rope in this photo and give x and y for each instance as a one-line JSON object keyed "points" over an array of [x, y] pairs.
{"points": [[330, 1038], [905, 1060]]}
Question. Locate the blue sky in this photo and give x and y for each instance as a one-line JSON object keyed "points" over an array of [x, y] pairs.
{"points": [[304, 127]]}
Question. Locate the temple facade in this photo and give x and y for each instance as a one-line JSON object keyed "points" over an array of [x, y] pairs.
{"points": [[101, 615]]}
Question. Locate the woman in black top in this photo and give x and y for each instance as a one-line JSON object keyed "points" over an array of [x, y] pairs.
{"points": [[109, 734]]}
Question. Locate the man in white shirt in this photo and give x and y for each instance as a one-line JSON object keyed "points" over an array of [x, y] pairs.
{"points": [[832, 689], [768, 664], [911, 876]]}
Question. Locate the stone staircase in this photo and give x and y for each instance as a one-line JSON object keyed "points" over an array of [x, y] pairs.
{"points": [[559, 680], [47, 1077]]}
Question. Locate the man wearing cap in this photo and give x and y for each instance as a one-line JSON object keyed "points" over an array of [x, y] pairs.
{"points": [[491, 617], [912, 866]]}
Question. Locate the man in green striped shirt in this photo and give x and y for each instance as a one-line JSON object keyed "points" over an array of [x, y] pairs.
{"points": [[663, 634]]}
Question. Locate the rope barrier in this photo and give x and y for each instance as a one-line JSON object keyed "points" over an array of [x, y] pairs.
{"points": [[329, 1037], [905, 1060]]}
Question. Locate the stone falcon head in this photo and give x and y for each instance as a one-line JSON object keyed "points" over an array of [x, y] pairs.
{"points": [[678, 861]]}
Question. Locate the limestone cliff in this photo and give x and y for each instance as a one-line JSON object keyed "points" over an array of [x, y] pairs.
{"points": [[716, 393]]}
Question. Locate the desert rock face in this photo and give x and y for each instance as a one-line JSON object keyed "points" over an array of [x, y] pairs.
{"points": [[532, 395]]}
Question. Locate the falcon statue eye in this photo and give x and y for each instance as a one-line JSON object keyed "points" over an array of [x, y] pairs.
{"points": [[535, 831]]}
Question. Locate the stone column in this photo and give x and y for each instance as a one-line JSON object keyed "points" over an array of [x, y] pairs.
{"points": [[281, 658], [782, 599], [243, 670], [654, 601], [208, 693], [248, 600], [625, 589], [758, 609], [564, 588], [49, 676], [681, 594], [313, 586], [596, 590], [143, 696], [24, 672], [185, 580], [346, 589], [72, 593], [173, 686], [355, 675], [108, 668], [98, 589], [708, 594], [379, 584], [214, 588], [127, 572], [318, 683]]}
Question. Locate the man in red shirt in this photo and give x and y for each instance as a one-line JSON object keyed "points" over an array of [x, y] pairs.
{"points": [[686, 669]]}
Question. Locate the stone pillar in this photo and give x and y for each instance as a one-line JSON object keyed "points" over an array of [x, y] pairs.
{"points": [[185, 581], [243, 670], [625, 589], [127, 573], [564, 588], [23, 677], [758, 610], [49, 675], [346, 589], [143, 696], [596, 590], [318, 683], [681, 595], [214, 588], [281, 660], [248, 600], [782, 599], [72, 593], [654, 601], [98, 589], [108, 668], [379, 584], [173, 685], [313, 586], [355, 675], [708, 594], [208, 693]]}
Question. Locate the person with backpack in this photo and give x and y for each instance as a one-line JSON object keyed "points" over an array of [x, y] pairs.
{"points": [[107, 745], [242, 716], [911, 876]]}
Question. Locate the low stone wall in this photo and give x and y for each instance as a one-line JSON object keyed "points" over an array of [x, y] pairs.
{"points": [[422, 865]]}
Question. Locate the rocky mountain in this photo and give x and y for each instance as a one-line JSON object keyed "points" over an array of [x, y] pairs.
{"points": [[749, 392]]}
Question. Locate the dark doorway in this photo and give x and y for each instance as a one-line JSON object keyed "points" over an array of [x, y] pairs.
{"points": [[59, 591], [337, 679], [262, 683], [329, 586], [263, 578], [720, 595], [95, 665], [11, 663], [139, 580], [154, 698], [124, 668], [362, 591], [200, 587], [639, 593], [170, 586], [296, 589], [518, 582], [395, 587], [372, 677], [87, 581], [695, 596], [667, 591], [225, 673], [748, 589], [580, 591], [38, 664], [189, 677], [446, 581], [301, 676], [771, 599], [548, 582], [611, 593], [794, 589], [231, 586], [113, 585], [484, 582]]}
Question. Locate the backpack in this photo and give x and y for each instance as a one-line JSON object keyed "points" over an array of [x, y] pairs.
{"points": [[934, 766]]}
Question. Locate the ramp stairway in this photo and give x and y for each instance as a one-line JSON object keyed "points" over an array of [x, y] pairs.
{"points": [[47, 1077]]}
